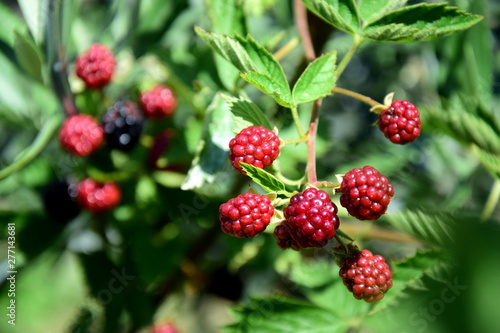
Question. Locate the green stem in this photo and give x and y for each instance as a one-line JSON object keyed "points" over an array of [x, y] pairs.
{"points": [[356, 95], [347, 58], [287, 48], [289, 142], [492, 201], [296, 119], [36, 148]]}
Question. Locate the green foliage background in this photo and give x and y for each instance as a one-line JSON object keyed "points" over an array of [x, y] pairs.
{"points": [[440, 234]]}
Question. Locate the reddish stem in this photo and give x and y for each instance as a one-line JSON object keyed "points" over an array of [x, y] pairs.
{"points": [[303, 26], [311, 143]]}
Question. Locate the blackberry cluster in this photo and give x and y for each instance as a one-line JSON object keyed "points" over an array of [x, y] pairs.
{"points": [[365, 193], [247, 215], [96, 66], [366, 275], [81, 135], [122, 125], [310, 221], [400, 122], [254, 145]]}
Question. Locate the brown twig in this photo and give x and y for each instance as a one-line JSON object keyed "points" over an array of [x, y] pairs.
{"points": [[303, 27]]}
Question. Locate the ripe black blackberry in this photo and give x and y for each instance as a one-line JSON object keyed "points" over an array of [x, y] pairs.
{"points": [[58, 202], [122, 125]]}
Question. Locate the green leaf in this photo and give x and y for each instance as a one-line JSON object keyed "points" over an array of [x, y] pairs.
{"points": [[10, 23], [246, 113], [28, 55], [211, 155], [284, 316], [265, 62], [408, 275], [233, 22], [263, 178], [371, 10], [269, 86], [228, 48], [490, 161], [35, 14], [419, 22], [342, 14], [317, 80], [433, 228]]}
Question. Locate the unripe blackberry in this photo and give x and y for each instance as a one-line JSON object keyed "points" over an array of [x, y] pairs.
{"points": [[159, 102], [96, 66], [254, 145], [366, 275], [97, 197], [365, 193], [160, 146], [122, 125], [311, 220], [58, 202], [81, 135], [400, 122], [247, 215]]}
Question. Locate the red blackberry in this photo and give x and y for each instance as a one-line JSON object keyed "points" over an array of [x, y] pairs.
{"points": [[254, 145], [58, 202], [159, 102], [246, 215], [400, 122], [365, 193], [366, 275], [284, 238], [122, 125], [97, 197], [96, 66], [166, 327], [311, 220], [81, 135]]}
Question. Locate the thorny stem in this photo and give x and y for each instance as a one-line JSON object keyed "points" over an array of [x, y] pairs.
{"points": [[282, 52], [356, 95], [492, 201], [303, 27], [347, 58]]}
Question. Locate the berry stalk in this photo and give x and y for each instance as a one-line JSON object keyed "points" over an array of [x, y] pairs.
{"points": [[356, 95]]}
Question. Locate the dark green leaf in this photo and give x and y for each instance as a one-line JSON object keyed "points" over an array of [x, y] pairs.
{"points": [[284, 316], [246, 113], [419, 22], [490, 161], [263, 178], [28, 55], [317, 80], [342, 14]]}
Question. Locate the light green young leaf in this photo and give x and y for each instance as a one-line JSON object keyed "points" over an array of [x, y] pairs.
{"points": [[317, 80], [433, 228], [342, 14], [246, 113], [36, 14], [28, 55], [263, 178], [370, 10], [284, 316], [269, 86], [419, 22], [229, 49]]}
